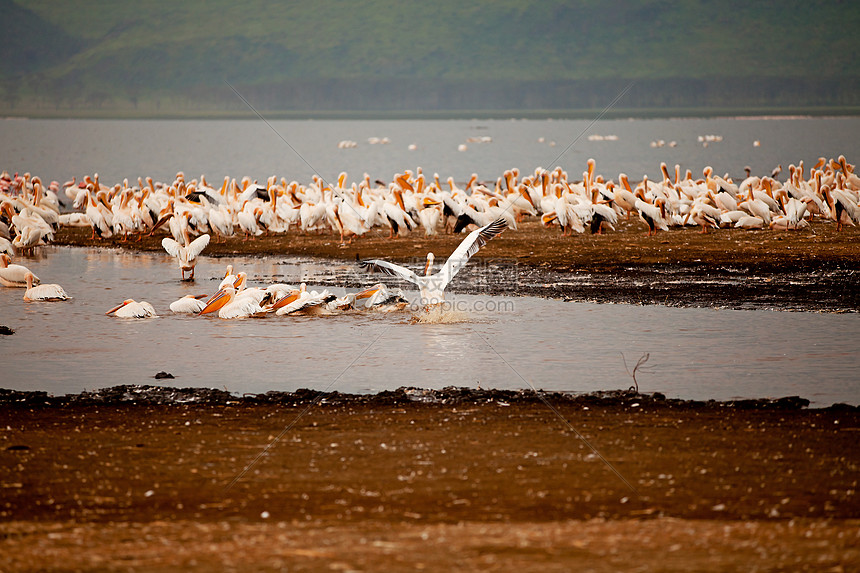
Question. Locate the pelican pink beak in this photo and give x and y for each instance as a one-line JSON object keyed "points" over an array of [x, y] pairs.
{"points": [[366, 293], [216, 302], [548, 218], [404, 182], [527, 197], [160, 222], [292, 297], [117, 307]]}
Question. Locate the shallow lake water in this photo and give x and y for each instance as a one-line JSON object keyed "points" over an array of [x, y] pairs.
{"points": [[502, 342], [117, 149]]}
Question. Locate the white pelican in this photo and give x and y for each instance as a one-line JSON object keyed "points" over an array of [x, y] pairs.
{"points": [[732, 217], [28, 238], [432, 286], [429, 215], [653, 215], [229, 278], [704, 215], [394, 210], [130, 308], [189, 304], [602, 215], [248, 218], [302, 300], [843, 208], [99, 213], [221, 222], [284, 299], [749, 222], [341, 304], [274, 293], [49, 292], [74, 220], [186, 254], [624, 197], [229, 305], [14, 275], [381, 298]]}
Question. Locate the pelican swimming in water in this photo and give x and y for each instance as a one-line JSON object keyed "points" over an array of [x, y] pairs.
{"points": [[186, 254], [432, 286], [14, 275], [49, 292], [231, 304], [302, 300], [189, 304], [380, 298], [130, 308]]}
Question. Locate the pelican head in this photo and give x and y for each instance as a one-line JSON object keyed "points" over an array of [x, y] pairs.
{"points": [[161, 221], [429, 266], [290, 298], [547, 218], [367, 293], [240, 281]]}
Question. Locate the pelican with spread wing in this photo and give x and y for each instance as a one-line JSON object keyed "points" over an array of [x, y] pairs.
{"points": [[186, 255], [432, 286]]}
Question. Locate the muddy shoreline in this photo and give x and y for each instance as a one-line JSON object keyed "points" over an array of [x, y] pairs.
{"points": [[816, 269], [162, 395], [162, 479]]}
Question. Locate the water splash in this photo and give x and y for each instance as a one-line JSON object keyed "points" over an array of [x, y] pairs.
{"points": [[441, 315]]}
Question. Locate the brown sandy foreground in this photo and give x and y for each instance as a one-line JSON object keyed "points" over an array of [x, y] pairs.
{"points": [[162, 479], [813, 269]]}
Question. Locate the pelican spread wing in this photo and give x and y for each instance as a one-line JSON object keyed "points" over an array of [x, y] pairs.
{"points": [[432, 287], [194, 248], [378, 265], [197, 245], [470, 245], [186, 255], [171, 246]]}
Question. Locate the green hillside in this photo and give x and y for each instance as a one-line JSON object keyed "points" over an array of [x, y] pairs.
{"points": [[392, 55]]}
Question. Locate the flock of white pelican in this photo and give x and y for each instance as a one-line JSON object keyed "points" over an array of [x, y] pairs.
{"points": [[193, 211], [234, 299], [30, 212]]}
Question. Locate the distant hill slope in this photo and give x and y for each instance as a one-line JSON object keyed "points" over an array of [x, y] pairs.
{"points": [[30, 43], [390, 54]]}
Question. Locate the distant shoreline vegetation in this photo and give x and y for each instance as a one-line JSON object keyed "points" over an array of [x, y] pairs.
{"points": [[409, 98]]}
